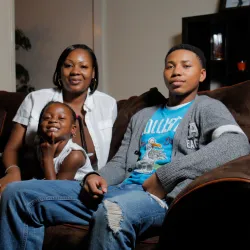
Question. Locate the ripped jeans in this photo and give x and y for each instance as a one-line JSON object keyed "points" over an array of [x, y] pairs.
{"points": [[28, 206]]}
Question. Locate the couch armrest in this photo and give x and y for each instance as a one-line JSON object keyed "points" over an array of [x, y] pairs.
{"points": [[236, 170], [213, 209]]}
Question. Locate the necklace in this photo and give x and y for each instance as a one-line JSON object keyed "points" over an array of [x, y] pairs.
{"points": [[83, 139]]}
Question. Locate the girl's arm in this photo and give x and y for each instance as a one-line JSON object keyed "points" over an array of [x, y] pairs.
{"points": [[75, 160], [47, 164], [68, 168], [10, 155], [48, 150]]}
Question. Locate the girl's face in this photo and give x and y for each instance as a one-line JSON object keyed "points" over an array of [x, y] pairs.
{"points": [[77, 71], [57, 123]]}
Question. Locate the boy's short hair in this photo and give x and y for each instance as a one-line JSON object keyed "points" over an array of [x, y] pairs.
{"points": [[199, 53]]}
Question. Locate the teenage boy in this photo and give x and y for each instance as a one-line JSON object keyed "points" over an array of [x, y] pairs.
{"points": [[163, 150]]}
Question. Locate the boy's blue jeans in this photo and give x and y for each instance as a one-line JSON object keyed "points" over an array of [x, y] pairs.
{"points": [[27, 207]]}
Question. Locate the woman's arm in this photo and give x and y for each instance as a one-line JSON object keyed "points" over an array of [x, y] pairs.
{"points": [[10, 155]]}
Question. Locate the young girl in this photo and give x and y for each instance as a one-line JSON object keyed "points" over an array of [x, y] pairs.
{"points": [[59, 156]]}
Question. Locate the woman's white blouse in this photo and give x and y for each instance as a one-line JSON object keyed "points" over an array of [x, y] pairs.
{"points": [[101, 112]]}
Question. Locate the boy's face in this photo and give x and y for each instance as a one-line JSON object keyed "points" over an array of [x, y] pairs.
{"points": [[57, 122], [183, 73]]}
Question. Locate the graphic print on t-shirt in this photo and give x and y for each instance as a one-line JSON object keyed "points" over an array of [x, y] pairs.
{"points": [[154, 151]]}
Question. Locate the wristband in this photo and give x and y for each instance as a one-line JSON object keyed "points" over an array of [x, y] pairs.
{"points": [[84, 178], [11, 166]]}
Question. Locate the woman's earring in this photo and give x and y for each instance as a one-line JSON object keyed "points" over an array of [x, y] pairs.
{"points": [[59, 82], [74, 134], [93, 83]]}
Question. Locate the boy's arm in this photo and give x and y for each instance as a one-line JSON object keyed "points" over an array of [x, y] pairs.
{"points": [[224, 149], [114, 171], [95, 183], [227, 143]]}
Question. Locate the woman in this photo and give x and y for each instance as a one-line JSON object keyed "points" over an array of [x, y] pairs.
{"points": [[76, 81]]}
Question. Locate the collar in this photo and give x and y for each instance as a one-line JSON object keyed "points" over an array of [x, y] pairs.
{"points": [[89, 102]]}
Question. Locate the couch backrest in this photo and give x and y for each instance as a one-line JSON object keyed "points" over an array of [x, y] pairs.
{"points": [[126, 109], [9, 103], [236, 98]]}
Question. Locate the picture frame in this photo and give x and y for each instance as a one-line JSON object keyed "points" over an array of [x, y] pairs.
{"points": [[233, 4]]}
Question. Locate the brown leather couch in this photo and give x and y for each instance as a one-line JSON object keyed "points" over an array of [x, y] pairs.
{"points": [[213, 208]]}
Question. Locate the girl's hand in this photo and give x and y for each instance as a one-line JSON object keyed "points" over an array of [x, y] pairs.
{"points": [[48, 149]]}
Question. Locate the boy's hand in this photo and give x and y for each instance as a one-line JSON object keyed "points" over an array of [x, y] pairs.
{"points": [[153, 186], [93, 190], [95, 185]]}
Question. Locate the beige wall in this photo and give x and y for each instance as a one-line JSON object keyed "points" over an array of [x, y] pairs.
{"points": [[7, 46], [130, 39], [51, 25], [138, 33]]}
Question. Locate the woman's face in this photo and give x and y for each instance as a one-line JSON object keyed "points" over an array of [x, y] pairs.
{"points": [[77, 71]]}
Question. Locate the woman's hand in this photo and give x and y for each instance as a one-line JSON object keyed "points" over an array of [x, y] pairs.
{"points": [[10, 155], [153, 186], [12, 175]]}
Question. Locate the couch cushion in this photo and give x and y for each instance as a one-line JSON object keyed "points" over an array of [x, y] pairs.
{"points": [[75, 237]]}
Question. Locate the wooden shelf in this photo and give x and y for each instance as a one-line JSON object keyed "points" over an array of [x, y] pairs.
{"points": [[234, 27]]}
